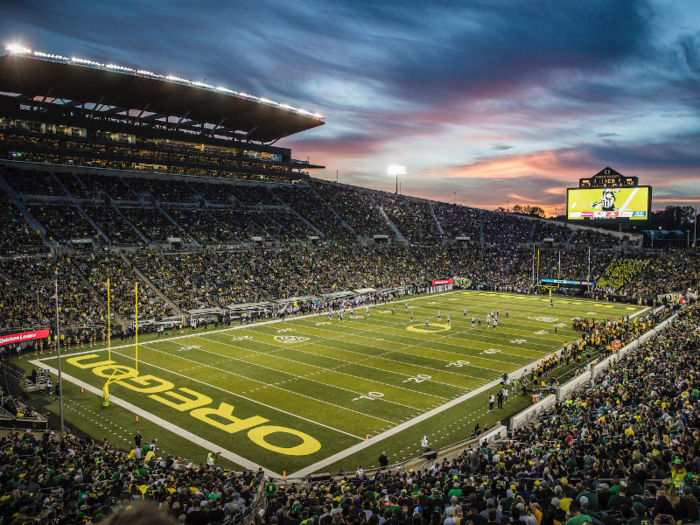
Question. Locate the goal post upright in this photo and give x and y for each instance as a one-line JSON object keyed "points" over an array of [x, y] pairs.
{"points": [[136, 325]]}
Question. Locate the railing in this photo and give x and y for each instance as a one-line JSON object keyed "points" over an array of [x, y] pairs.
{"points": [[258, 502]]}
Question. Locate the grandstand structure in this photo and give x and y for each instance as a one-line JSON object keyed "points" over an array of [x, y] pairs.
{"points": [[112, 173]]}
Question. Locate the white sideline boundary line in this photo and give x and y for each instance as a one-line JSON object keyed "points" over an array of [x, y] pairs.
{"points": [[189, 436], [640, 312]]}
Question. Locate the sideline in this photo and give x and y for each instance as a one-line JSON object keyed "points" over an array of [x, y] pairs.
{"points": [[162, 422], [196, 333]]}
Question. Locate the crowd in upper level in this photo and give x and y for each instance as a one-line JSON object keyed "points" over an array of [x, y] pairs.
{"points": [[128, 210]]}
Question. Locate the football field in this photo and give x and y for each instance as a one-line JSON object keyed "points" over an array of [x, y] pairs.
{"points": [[311, 394]]}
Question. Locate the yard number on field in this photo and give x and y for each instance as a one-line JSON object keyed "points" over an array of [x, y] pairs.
{"points": [[458, 364], [370, 395], [491, 351], [418, 379]]}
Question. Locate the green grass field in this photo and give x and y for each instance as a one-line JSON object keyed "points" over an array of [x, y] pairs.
{"points": [[305, 395]]}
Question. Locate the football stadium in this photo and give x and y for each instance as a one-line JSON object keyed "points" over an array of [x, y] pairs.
{"points": [[191, 318]]}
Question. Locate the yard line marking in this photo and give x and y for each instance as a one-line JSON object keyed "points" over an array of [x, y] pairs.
{"points": [[403, 426], [368, 356], [328, 369], [267, 384], [379, 356], [416, 345], [426, 357], [240, 460]]}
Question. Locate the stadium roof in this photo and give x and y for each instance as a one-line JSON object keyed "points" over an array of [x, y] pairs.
{"points": [[111, 90]]}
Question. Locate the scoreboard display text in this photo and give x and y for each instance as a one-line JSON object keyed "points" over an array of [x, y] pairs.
{"points": [[609, 203]]}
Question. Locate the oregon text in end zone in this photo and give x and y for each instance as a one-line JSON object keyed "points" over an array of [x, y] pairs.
{"points": [[609, 203]]}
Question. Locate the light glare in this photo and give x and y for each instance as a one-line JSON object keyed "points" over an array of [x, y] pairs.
{"points": [[17, 49]]}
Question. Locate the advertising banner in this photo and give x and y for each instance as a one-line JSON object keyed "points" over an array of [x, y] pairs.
{"points": [[562, 281], [24, 336], [443, 281]]}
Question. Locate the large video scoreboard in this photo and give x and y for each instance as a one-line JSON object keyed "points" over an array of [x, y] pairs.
{"points": [[609, 195]]}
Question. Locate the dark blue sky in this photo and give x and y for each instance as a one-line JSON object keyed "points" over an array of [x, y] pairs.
{"points": [[492, 100]]}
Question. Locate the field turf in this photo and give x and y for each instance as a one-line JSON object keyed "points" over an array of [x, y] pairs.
{"points": [[294, 396]]}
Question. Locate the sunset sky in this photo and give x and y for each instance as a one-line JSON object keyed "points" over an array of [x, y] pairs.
{"points": [[494, 100]]}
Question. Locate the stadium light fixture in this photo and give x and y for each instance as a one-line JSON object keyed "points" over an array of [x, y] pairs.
{"points": [[397, 170], [17, 49]]}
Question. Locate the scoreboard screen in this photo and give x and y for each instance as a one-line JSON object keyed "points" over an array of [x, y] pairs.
{"points": [[609, 203]]}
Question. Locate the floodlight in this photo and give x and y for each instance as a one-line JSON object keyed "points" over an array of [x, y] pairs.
{"points": [[17, 49], [397, 170]]}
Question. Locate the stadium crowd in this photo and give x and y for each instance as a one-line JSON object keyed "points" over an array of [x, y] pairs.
{"points": [[412, 217], [65, 223], [355, 207], [305, 201], [69, 480], [16, 236]]}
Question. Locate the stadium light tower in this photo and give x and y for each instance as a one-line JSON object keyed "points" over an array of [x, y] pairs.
{"points": [[397, 170]]}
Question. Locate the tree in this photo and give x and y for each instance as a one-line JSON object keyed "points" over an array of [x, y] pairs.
{"points": [[672, 218]]}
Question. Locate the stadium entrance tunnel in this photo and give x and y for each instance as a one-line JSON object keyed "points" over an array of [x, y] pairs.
{"points": [[281, 440]]}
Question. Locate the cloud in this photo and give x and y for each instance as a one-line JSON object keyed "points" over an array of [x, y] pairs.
{"points": [[488, 98]]}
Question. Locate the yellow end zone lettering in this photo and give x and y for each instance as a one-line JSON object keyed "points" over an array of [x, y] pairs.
{"points": [[197, 404], [309, 445]]}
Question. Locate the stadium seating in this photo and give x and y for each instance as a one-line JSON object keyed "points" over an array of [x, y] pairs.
{"points": [[413, 218], [16, 236], [357, 208], [112, 186], [32, 182], [153, 224], [458, 221], [500, 228], [113, 225], [65, 223], [309, 205]]}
